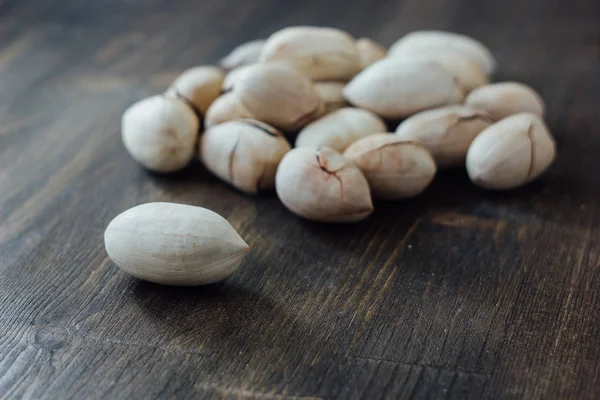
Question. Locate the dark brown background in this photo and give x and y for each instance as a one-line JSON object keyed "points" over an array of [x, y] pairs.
{"points": [[459, 293]]}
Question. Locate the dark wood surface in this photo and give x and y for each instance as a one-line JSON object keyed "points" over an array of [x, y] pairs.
{"points": [[457, 294]]}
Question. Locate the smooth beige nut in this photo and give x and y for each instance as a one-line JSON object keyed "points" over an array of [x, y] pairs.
{"points": [[244, 153], [200, 86], [174, 244], [160, 133], [245, 54], [468, 73], [396, 89], [500, 100], [369, 51], [511, 153], [331, 94], [225, 108], [321, 185], [340, 128], [278, 95], [446, 132], [395, 169], [435, 41], [232, 77], [320, 53]]}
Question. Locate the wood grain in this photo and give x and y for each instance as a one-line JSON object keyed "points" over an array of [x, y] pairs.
{"points": [[458, 294]]}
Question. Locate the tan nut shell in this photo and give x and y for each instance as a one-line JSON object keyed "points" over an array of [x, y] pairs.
{"points": [[447, 132], [511, 152], [174, 244], [244, 54], [160, 133], [321, 185], [468, 73], [331, 94], [396, 89], [340, 128], [278, 95], [500, 100], [433, 41], [199, 85], [395, 169], [369, 51], [232, 77], [320, 53], [244, 153], [227, 107]]}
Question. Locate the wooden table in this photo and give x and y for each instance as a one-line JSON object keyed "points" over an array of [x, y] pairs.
{"points": [[459, 293]]}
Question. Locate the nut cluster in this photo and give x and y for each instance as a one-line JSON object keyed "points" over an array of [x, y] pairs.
{"points": [[366, 122]]}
